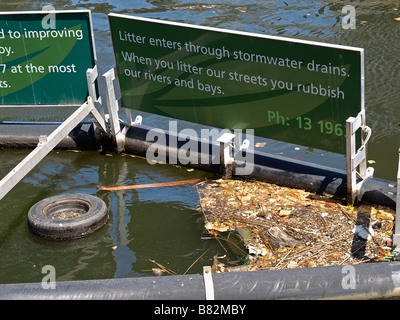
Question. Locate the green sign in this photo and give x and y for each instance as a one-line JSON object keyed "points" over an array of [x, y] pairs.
{"points": [[44, 57], [285, 89]]}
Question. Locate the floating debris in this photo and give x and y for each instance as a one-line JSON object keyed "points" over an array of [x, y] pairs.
{"points": [[260, 144], [157, 272], [67, 214], [149, 185], [282, 227]]}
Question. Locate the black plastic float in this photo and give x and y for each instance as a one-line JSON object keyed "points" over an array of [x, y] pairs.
{"points": [[271, 168], [363, 281]]}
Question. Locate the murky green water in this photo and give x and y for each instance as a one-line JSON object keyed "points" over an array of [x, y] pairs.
{"points": [[161, 224], [158, 224]]}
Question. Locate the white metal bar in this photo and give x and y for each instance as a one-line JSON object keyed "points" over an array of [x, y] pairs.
{"points": [[396, 235], [97, 118], [364, 140], [97, 113], [208, 283], [43, 148], [225, 147], [91, 76], [128, 115], [356, 123], [356, 158], [350, 151], [112, 105]]}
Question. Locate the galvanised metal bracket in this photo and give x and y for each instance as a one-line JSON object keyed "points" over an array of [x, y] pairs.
{"points": [[229, 151], [113, 101], [356, 158], [396, 235]]}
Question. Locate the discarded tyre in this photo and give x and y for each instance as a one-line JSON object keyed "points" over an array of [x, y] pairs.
{"points": [[67, 216]]}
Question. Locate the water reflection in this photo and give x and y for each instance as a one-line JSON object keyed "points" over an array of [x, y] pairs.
{"points": [[118, 202]]}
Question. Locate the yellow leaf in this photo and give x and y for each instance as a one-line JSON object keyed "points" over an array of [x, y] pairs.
{"points": [[284, 213], [398, 18], [382, 215], [241, 9], [367, 210]]}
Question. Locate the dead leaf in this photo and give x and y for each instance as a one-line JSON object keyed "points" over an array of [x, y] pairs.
{"points": [[213, 232], [260, 144], [285, 213], [315, 222], [246, 198], [241, 9], [382, 215], [367, 210], [397, 19]]}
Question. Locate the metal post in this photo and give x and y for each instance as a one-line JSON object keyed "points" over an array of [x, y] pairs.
{"points": [[396, 235], [113, 107], [97, 113], [350, 151], [225, 153], [356, 158], [91, 77], [225, 146], [208, 283]]}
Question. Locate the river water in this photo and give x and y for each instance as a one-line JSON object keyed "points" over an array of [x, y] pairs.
{"points": [[162, 224]]}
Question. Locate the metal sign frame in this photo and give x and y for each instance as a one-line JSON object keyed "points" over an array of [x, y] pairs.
{"points": [[356, 159], [297, 117], [91, 107]]}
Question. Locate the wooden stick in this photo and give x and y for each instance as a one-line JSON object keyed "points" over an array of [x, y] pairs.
{"points": [[164, 268], [196, 261], [149, 185]]}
